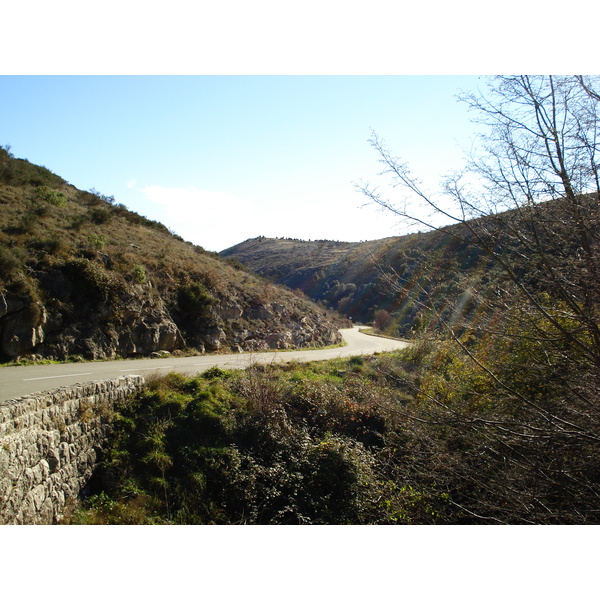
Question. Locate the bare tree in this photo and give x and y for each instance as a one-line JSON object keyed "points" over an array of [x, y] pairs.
{"points": [[528, 197], [528, 200]]}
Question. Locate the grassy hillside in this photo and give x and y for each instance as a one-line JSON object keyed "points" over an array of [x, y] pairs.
{"points": [[83, 275], [388, 280]]}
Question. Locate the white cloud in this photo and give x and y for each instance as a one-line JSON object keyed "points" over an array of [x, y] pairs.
{"points": [[212, 219], [217, 220]]}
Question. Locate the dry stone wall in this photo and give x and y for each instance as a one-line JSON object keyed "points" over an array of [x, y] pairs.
{"points": [[49, 445]]}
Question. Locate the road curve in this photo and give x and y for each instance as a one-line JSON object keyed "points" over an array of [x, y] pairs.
{"points": [[22, 380]]}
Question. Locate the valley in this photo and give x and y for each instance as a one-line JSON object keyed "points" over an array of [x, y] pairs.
{"points": [[487, 413]]}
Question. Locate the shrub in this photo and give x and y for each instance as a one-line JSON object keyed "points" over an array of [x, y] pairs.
{"points": [[383, 319], [194, 299], [139, 274], [93, 282], [51, 196], [216, 373], [100, 215], [96, 241]]}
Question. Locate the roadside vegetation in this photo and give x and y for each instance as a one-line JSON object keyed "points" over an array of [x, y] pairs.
{"points": [[419, 436]]}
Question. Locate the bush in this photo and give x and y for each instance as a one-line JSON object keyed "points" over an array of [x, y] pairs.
{"points": [[383, 320], [96, 240], [216, 373], [139, 274], [92, 282], [100, 215], [194, 299], [51, 196]]}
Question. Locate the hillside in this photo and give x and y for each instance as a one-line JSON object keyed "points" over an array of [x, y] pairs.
{"points": [[420, 282], [82, 275], [388, 280]]}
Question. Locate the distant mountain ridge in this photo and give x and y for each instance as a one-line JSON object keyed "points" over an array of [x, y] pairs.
{"points": [[83, 275], [340, 274]]}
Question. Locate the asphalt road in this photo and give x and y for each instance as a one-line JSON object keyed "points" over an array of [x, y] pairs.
{"points": [[22, 380]]}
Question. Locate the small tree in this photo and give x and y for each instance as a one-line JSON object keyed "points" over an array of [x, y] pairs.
{"points": [[383, 319]]}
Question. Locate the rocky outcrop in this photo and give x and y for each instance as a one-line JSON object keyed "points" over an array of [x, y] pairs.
{"points": [[149, 331], [236, 320], [137, 322], [22, 321], [94, 323], [50, 444], [274, 326]]}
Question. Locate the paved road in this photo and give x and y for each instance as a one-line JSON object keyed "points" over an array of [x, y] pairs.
{"points": [[23, 380]]}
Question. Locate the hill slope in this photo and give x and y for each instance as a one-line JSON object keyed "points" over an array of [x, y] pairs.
{"points": [[388, 280], [81, 275], [418, 282]]}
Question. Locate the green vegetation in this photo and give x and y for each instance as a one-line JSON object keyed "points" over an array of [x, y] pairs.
{"points": [[96, 241], [194, 299], [265, 445], [139, 274], [52, 196], [420, 436]]}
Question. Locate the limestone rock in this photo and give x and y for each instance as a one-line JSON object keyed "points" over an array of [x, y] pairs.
{"points": [[214, 338], [22, 330], [230, 310]]}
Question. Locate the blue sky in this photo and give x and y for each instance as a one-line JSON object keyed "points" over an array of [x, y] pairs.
{"points": [[220, 159]]}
